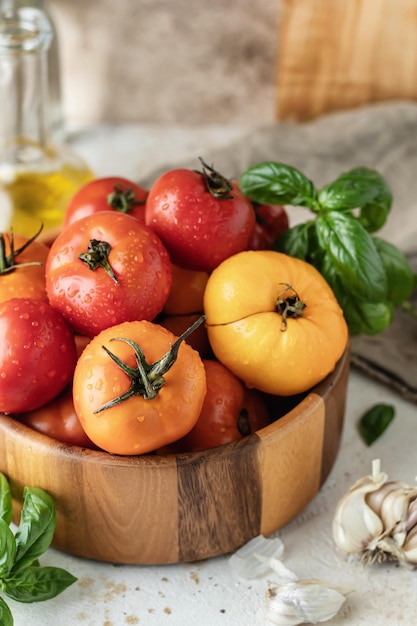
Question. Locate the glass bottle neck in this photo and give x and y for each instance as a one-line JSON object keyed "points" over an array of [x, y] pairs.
{"points": [[25, 36]]}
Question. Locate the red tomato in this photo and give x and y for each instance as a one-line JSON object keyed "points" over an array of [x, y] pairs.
{"points": [[37, 355], [230, 412], [106, 269], [201, 217], [107, 194], [58, 420], [271, 222]]}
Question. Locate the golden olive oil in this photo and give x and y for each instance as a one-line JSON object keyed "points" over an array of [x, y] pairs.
{"points": [[37, 197]]}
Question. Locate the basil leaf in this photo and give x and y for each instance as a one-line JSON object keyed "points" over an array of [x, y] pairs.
{"points": [[7, 549], [296, 241], [5, 500], [369, 318], [375, 421], [6, 617], [36, 528], [36, 584], [277, 183], [353, 254], [359, 188], [398, 271]]}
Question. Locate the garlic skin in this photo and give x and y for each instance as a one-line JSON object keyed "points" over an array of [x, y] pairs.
{"points": [[303, 602], [378, 519]]}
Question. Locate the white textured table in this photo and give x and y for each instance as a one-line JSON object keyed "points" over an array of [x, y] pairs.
{"points": [[207, 593]]}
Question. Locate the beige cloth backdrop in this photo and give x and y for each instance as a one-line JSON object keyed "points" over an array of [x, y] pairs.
{"points": [[383, 137]]}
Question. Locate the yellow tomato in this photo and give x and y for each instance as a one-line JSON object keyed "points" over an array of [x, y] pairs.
{"points": [[273, 320]]}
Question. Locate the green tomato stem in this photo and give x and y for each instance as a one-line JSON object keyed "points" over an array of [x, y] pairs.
{"points": [[97, 256], [146, 379]]}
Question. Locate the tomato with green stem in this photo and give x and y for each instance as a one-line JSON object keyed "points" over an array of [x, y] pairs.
{"points": [[110, 193], [273, 320], [138, 387], [201, 216], [22, 267], [106, 269]]}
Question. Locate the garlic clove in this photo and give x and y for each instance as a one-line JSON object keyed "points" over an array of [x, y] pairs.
{"points": [[374, 499], [303, 602], [409, 549], [394, 511], [355, 524], [412, 515]]}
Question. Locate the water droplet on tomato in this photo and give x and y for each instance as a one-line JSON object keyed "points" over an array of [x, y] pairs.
{"points": [[72, 292]]}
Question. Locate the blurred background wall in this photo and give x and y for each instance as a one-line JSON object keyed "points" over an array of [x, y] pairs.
{"points": [[157, 61]]}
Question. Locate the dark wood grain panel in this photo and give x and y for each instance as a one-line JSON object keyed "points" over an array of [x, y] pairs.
{"points": [[219, 500]]}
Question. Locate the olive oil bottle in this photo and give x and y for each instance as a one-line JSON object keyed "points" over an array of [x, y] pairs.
{"points": [[37, 176]]}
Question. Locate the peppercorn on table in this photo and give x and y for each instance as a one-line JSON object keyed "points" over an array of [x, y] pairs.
{"points": [[209, 591]]}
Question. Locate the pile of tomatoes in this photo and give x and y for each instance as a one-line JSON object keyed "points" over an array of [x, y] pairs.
{"points": [[160, 320]]}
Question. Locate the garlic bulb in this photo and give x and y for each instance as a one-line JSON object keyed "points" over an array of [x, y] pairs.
{"points": [[303, 602], [378, 518], [355, 524]]}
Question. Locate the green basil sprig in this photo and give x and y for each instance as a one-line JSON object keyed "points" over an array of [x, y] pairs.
{"points": [[369, 276], [22, 578]]}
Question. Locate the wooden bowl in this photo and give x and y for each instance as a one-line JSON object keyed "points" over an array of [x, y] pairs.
{"points": [[180, 508]]}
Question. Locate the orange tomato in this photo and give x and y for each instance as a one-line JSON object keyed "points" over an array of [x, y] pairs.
{"points": [[187, 291], [22, 268], [274, 321], [126, 412]]}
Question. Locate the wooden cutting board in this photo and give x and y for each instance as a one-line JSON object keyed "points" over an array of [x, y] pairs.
{"points": [[340, 54]]}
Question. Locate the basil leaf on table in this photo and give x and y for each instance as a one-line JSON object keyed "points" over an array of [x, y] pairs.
{"points": [[22, 578], [6, 617], [5, 500], [375, 421], [37, 584], [7, 549], [36, 528]]}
